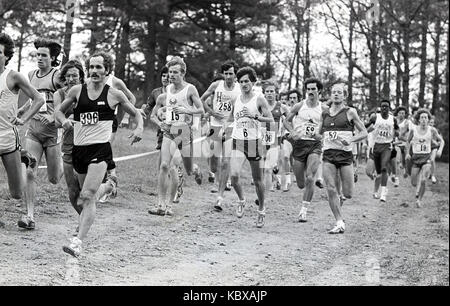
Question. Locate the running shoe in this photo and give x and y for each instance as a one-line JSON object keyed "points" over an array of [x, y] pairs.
{"points": [[342, 200], [319, 183], [260, 220], [27, 159], [240, 209], [383, 196], [433, 179], [74, 247], [375, 195], [418, 203], [396, 181], [211, 177], [302, 215], [26, 223], [198, 176], [218, 205], [339, 228], [228, 186]]}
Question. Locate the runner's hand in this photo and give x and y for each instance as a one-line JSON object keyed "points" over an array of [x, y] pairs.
{"points": [[218, 115], [439, 153], [246, 113], [16, 121], [343, 141], [164, 127], [136, 136], [181, 110], [47, 119], [68, 124], [143, 113]]}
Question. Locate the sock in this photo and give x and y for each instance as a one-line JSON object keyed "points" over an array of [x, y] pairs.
{"points": [[288, 178], [305, 204], [383, 190]]}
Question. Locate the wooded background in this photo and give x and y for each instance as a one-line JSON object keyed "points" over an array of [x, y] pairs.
{"points": [[396, 49]]}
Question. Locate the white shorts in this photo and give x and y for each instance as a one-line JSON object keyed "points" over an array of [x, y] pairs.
{"points": [[9, 141], [272, 157]]}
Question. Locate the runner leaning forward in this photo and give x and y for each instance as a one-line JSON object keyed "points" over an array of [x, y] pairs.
{"points": [[93, 108]]}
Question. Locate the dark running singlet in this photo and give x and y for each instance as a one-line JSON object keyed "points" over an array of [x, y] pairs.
{"points": [[93, 118], [333, 127]]}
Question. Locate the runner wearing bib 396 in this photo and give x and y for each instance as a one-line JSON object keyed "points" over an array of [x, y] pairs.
{"points": [[249, 110], [419, 143], [385, 128], [302, 124], [337, 126], [224, 93]]}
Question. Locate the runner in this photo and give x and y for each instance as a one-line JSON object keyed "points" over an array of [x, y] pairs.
{"points": [[42, 136], [337, 126], [385, 128], [419, 143], [249, 109], [302, 123], [92, 154], [72, 74], [224, 93], [434, 150], [181, 101], [151, 101], [11, 82], [404, 125], [271, 136]]}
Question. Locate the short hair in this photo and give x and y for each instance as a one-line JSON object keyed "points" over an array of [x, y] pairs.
{"points": [[176, 60], [163, 70], [385, 101], [268, 83], [344, 86], [283, 93], [414, 109], [108, 61], [314, 80], [296, 91], [247, 71], [228, 65], [8, 44], [71, 64], [422, 111], [53, 47], [399, 109]]}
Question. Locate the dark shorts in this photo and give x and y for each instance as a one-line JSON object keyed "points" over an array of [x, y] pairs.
{"points": [[67, 146], [252, 149], [83, 156], [419, 160], [160, 136], [394, 153], [381, 156], [183, 138], [115, 124], [303, 148], [46, 135], [338, 158]]}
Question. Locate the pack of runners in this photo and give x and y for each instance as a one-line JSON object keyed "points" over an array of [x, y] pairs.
{"points": [[73, 113]]}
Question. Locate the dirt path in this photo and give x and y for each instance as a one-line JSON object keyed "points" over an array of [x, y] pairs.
{"points": [[385, 244]]}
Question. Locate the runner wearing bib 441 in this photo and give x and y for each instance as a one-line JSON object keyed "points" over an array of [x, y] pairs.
{"points": [[385, 128]]}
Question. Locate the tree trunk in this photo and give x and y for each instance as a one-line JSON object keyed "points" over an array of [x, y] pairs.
{"points": [[299, 24], [306, 72], [67, 40], [436, 78], [164, 39], [150, 54], [268, 52], [232, 28], [423, 61], [350, 59], [121, 57], [373, 92], [92, 46], [406, 70], [446, 99], [398, 80], [23, 27]]}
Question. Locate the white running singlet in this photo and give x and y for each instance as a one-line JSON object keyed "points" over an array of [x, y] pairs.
{"points": [[246, 128], [306, 122], [222, 101]]}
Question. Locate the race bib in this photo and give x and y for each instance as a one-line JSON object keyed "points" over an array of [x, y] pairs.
{"points": [[89, 118], [268, 137], [171, 116], [383, 133], [331, 135], [309, 129], [421, 148], [224, 106]]}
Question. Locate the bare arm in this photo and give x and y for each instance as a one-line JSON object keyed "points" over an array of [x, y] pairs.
{"points": [[30, 92], [437, 136], [263, 105], [290, 116], [129, 108], [70, 100], [362, 132], [210, 93], [159, 104], [408, 144]]}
